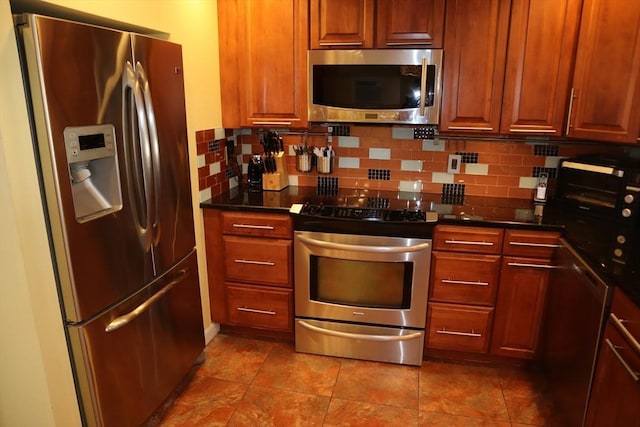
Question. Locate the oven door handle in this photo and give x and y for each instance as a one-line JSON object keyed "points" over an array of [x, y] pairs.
{"points": [[360, 248], [387, 338]]}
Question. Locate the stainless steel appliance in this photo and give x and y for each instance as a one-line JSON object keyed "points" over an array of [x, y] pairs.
{"points": [[598, 201], [375, 85], [362, 295], [109, 128], [577, 306]]}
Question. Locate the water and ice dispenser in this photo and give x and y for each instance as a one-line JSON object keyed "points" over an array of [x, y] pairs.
{"points": [[93, 168]]}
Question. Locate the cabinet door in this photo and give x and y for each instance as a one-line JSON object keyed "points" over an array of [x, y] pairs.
{"points": [[616, 389], [263, 50], [336, 24], [413, 23], [473, 71], [606, 85], [520, 306], [536, 91]]}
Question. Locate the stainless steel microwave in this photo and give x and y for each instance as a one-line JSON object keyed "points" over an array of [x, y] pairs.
{"points": [[375, 86]]}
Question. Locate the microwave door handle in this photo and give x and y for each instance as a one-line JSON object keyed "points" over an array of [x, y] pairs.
{"points": [[154, 149], [423, 86], [137, 190]]}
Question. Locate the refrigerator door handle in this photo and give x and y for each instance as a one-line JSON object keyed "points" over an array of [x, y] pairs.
{"points": [[153, 146], [136, 129], [123, 320]]}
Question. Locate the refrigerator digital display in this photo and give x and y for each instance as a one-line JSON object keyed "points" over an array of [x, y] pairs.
{"points": [[88, 142]]}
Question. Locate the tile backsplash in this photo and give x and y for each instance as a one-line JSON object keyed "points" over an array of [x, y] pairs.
{"points": [[393, 158]]}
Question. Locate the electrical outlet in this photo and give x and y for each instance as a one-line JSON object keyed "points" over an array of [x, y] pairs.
{"points": [[453, 166]]}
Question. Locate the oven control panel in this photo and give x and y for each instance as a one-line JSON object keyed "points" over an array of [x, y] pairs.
{"points": [[368, 214]]}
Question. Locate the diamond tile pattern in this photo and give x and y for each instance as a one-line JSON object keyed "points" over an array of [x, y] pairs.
{"points": [[253, 382]]}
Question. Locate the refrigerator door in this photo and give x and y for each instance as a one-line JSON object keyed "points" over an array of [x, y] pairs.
{"points": [[136, 353], [75, 79], [158, 64]]}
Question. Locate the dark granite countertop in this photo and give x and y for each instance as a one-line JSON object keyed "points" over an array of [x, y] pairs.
{"points": [[470, 210]]}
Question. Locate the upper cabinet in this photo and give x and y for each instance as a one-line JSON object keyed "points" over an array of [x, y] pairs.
{"points": [[263, 57], [365, 24], [474, 58], [606, 83], [542, 40]]}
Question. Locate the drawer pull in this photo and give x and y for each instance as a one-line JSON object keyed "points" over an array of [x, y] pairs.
{"points": [[255, 310], [248, 261], [255, 227], [467, 242], [524, 264], [473, 333], [635, 375], [272, 123], [535, 245], [619, 323], [463, 282], [470, 128], [340, 44]]}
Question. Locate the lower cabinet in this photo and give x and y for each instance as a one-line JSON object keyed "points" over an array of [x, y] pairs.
{"points": [[459, 327], [615, 394], [250, 269]]}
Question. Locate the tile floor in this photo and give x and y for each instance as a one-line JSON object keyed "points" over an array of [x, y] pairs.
{"points": [[253, 382]]}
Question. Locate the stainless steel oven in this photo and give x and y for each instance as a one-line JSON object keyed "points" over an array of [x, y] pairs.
{"points": [[362, 296]]}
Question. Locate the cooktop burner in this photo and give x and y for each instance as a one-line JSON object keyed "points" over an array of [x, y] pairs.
{"points": [[367, 214]]}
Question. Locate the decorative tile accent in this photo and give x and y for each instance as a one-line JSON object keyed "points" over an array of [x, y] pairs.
{"points": [[468, 157], [349, 162], [552, 162], [411, 186], [442, 178], [214, 146], [214, 168], [476, 169], [327, 182], [411, 165], [552, 172], [246, 149], [527, 182], [340, 130], [545, 150], [433, 145], [201, 161], [378, 202], [380, 153], [383, 174], [402, 133], [424, 133], [349, 141]]}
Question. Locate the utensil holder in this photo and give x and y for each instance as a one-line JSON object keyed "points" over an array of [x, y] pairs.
{"points": [[325, 164], [303, 162]]}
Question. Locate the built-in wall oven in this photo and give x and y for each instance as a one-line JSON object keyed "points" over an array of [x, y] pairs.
{"points": [[361, 283]]}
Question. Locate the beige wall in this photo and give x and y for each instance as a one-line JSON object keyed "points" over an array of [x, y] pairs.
{"points": [[36, 385]]}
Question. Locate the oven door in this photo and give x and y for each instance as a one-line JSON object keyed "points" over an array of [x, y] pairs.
{"points": [[362, 279]]}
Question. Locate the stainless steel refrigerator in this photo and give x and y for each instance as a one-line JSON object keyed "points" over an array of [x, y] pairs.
{"points": [[109, 131]]}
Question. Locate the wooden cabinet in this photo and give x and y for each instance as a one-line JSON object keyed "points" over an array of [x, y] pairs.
{"points": [[263, 59], [487, 289], [524, 276], [250, 269], [461, 300], [473, 72], [365, 24], [542, 38], [616, 386], [606, 80]]}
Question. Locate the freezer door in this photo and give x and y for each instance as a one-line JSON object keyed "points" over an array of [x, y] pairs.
{"points": [[137, 353], [158, 64], [75, 76]]}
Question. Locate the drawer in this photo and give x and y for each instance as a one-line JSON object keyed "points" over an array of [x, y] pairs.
{"points": [[260, 307], [257, 224], [530, 243], [468, 239], [255, 260], [464, 278], [458, 327], [625, 317]]}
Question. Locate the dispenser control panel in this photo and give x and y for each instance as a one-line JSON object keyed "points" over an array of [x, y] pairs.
{"points": [[84, 143]]}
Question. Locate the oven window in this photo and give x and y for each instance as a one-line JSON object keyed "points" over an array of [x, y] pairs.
{"points": [[361, 283]]}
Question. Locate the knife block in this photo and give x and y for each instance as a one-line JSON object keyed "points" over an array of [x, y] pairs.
{"points": [[276, 181]]}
